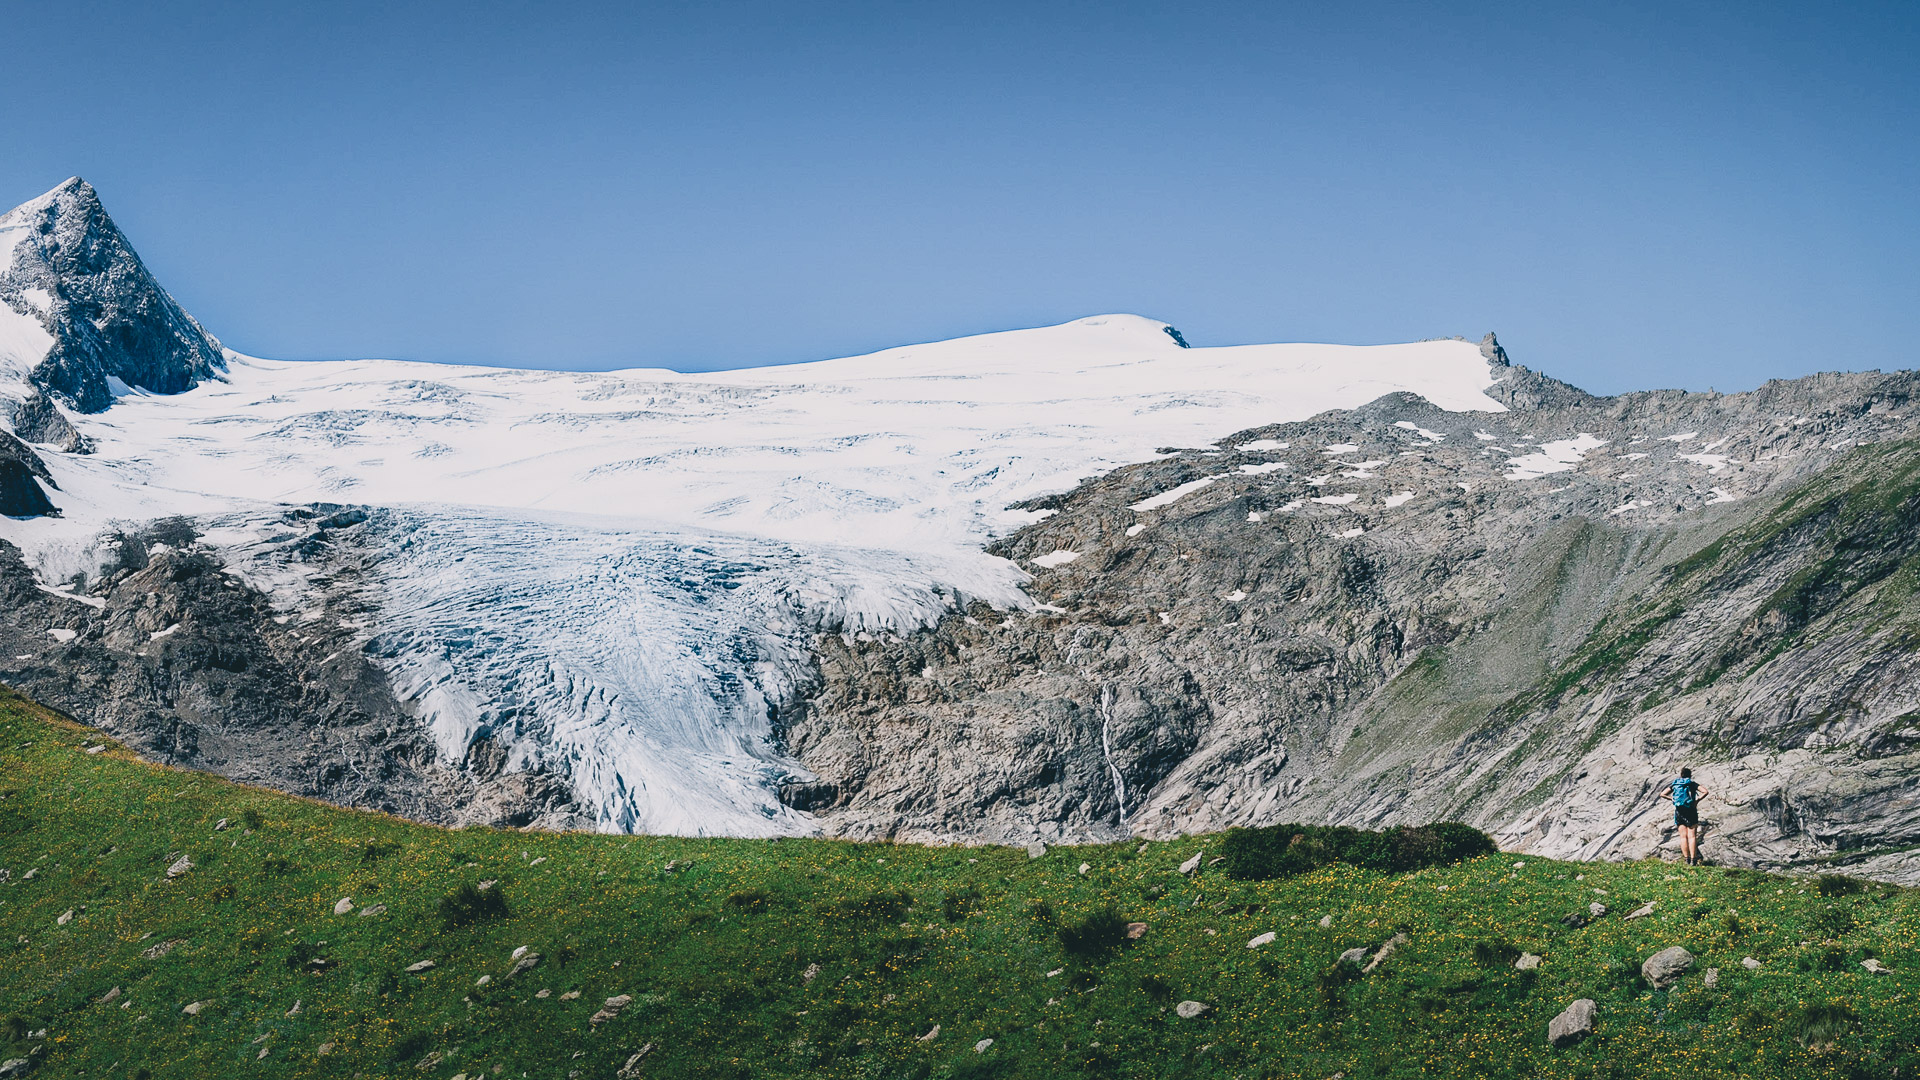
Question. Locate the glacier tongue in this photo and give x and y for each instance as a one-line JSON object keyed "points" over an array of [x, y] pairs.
{"points": [[643, 663]]}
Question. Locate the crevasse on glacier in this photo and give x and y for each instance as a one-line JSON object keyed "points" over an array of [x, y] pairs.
{"points": [[644, 664]]}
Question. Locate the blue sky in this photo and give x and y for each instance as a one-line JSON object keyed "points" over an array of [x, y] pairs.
{"points": [[1633, 195]]}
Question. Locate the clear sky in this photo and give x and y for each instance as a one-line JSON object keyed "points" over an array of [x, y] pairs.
{"points": [[1633, 195]]}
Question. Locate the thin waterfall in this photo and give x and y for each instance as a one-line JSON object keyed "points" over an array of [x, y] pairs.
{"points": [[1106, 746]]}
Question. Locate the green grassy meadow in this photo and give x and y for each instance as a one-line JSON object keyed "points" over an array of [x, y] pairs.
{"points": [[831, 959]]}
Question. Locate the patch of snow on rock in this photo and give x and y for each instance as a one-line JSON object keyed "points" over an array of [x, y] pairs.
{"points": [[1060, 557], [1560, 455], [1166, 497]]}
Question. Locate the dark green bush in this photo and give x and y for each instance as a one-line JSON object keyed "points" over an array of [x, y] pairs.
{"points": [[1820, 1024], [468, 905], [1278, 851], [961, 903], [882, 906], [1096, 935], [1156, 988], [1833, 922], [748, 900], [1495, 954], [1838, 885]]}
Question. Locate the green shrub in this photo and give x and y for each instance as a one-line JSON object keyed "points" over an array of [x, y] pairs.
{"points": [[1156, 988], [1279, 851], [961, 903], [1098, 934], [1820, 1024], [252, 819], [748, 900], [1495, 954], [468, 905], [372, 852], [1838, 885], [884, 906], [1833, 922]]}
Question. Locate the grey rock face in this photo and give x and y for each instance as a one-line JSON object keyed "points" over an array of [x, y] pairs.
{"points": [[21, 474], [35, 419], [188, 665], [108, 317], [1573, 1024], [1523, 620], [1665, 967]]}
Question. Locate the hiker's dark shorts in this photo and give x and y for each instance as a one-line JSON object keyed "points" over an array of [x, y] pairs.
{"points": [[1687, 815]]}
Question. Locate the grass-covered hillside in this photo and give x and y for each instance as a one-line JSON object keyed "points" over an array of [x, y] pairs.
{"points": [[296, 945]]}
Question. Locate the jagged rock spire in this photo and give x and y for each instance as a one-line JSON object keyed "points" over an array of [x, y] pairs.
{"points": [[73, 270], [1490, 348]]}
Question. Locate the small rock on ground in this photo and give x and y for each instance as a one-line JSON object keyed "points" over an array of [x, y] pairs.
{"points": [[631, 1070], [1036, 849], [1596, 909], [1192, 864], [1187, 1010], [981, 1046], [194, 1008], [1875, 967], [1665, 967], [1136, 931], [376, 909], [1527, 962], [343, 905], [612, 1009], [527, 963], [1326, 922], [1643, 911], [931, 1035], [1750, 963], [1263, 939], [1573, 1024], [1386, 950], [181, 866], [66, 918], [417, 968], [1354, 956], [1712, 977]]}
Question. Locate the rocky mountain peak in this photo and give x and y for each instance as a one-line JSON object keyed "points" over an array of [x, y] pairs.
{"points": [[1490, 348], [67, 265]]}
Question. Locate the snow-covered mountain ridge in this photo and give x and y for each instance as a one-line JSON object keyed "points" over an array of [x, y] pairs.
{"points": [[616, 577]]}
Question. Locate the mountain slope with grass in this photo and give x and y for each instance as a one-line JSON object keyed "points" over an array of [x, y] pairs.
{"points": [[158, 923]]}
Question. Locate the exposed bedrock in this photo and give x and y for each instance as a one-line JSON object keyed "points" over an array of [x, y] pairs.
{"points": [[1524, 620], [189, 665]]}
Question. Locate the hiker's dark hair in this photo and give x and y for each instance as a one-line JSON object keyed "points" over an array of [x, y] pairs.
{"points": [[1686, 774]]}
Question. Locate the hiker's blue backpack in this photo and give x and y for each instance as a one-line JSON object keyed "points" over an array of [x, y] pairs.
{"points": [[1685, 792]]}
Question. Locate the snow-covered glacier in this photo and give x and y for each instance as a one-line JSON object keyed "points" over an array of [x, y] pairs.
{"points": [[618, 576]]}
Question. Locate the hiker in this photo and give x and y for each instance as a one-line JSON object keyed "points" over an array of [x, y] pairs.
{"points": [[1686, 793]]}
